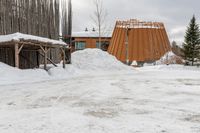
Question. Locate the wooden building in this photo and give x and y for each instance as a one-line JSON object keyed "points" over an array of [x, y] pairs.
{"points": [[27, 51], [86, 39], [139, 41]]}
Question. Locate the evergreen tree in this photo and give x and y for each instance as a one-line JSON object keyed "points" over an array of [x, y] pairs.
{"points": [[191, 43]]}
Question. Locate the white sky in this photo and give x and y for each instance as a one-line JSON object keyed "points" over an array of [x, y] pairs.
{"points": [[175, 14]]}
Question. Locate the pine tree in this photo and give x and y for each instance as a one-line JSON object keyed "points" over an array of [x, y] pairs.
{"points": [[192, 42]]}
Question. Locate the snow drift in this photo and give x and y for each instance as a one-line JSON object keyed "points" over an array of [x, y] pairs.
{"points": [[13, 75], [89, 61], [83, 62], [96, 59], [170, 58]]}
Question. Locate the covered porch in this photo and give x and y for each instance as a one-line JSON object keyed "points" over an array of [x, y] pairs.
{"points": [[27, 51]]}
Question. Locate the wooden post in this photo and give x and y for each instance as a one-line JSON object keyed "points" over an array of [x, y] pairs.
{"points": [[45, 50], [20, 48], [64, 56], [17, 55], [126, 45], [45, 58], [64, 62]]}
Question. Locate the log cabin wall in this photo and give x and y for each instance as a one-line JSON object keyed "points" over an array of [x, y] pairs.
{"points": [[91, 42], [28, 58], [7, 55]]}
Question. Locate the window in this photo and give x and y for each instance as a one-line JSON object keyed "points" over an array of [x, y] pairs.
{"points": [[98, 45], [104, 45], [80, 45]]}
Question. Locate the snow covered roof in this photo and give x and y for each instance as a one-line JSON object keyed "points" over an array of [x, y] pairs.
{"points": [[91, 34], [135, 24], [19, 36]]}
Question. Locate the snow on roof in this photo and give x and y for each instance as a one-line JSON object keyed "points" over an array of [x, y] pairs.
{"points": [[19, 36], [91, 34]]}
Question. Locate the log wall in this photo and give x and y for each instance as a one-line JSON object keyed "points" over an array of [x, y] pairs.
{"points": [[28, 58]]}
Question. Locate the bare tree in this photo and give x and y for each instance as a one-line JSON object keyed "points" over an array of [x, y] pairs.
{"points": [[35, 17], [99, 18], [66, 20]]}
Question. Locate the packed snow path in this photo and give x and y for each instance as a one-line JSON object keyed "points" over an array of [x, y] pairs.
{"points": [[144, 101]]}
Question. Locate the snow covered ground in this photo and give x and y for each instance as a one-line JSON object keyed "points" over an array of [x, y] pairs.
{"points": [[153, 99]]}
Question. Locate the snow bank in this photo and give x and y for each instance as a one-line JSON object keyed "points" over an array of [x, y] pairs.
{"points": [[60, 73], [11, 75], [96, 59], [89, 62], [85, 62], [170, 58]]}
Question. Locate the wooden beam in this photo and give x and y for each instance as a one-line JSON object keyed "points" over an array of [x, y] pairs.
{"points": [[64, 61], [63, 57], [20, 48], [49, 60], [17, 55], [45, 51], [42, 48]]}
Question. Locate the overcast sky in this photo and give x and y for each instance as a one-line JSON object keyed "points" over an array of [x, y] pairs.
{"points": [[175, 14]]}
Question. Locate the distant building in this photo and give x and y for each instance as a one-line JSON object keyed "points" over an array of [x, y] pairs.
{"points": [[89, 39]]}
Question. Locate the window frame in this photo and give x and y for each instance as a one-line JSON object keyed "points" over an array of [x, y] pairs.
{"points": [[80, 45]]}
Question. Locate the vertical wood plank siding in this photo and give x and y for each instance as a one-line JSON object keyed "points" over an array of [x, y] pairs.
{"points": [[147, 41], [27, 58]]}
